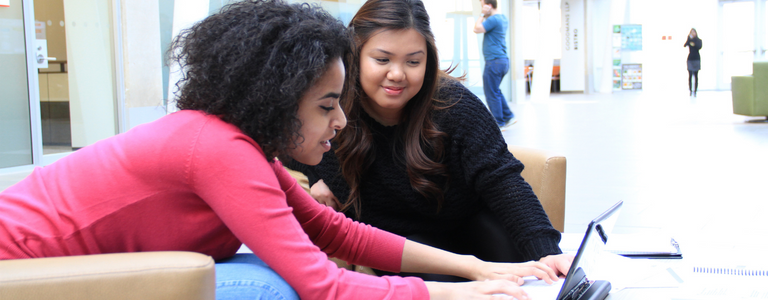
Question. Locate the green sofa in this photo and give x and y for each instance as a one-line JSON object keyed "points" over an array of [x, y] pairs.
{"points": [[750, 93]]}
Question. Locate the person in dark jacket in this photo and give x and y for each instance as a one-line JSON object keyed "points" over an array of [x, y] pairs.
{"points": [[694, 60]]}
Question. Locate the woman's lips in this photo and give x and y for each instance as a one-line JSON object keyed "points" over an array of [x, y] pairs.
{"points": [[393, 90], [326, 145]]}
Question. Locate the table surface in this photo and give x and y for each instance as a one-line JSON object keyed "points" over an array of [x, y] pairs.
{"points": [[698, 251]]}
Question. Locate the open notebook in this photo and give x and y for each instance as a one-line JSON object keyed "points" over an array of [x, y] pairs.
{"points": [[576, 285], [632, 245]]}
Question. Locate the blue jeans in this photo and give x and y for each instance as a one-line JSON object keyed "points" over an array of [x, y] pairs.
{"points": [[492, 75], [245, 276]]}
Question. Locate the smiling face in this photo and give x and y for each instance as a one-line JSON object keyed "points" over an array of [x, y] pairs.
{"points": [[392, 68], [320, 115]]}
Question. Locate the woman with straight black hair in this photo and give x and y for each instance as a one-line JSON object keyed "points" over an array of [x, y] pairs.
{"points": [[422, 156]]}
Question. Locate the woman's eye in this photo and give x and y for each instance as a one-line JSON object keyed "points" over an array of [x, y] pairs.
{"points": [[327, 108], [382, 60], [414, 62]]}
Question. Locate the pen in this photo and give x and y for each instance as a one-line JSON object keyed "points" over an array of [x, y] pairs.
{"points": [[675, 244]]}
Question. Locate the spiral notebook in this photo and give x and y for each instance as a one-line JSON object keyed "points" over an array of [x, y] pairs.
{"points": [[732, 271], [725, 281]]}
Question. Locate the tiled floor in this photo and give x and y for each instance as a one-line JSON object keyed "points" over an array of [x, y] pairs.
{"points": [[686, 166], [683, 165]]}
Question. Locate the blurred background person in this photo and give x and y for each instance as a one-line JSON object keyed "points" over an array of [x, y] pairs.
{"points": [[493, 25], [694, 60]]}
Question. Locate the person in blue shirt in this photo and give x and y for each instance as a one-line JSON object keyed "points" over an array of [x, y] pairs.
{"points": [[494, 25]]}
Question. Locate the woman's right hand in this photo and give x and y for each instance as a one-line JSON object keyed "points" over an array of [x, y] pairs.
{"points": [[323, 194], [514, 272], [489, 289]]}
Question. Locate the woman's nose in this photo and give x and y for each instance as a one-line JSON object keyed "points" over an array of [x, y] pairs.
{"points": [[340, 120], [396, 74]]}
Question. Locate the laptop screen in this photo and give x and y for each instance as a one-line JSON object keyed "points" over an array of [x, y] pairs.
{"points": [[594, 240]]}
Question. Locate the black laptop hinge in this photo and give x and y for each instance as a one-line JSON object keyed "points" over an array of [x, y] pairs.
{"points": [[579, 289]]}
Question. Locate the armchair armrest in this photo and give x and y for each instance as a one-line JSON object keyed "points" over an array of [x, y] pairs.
{"points": [[140, 275], [545, 172]]}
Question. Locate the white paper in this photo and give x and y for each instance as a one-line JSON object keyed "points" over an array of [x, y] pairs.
{"points": [[703, 286], [539, 289], [624, 272]]}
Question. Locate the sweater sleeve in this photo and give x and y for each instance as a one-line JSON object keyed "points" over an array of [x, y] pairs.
{"points": [[265, 208], [494, 173]]}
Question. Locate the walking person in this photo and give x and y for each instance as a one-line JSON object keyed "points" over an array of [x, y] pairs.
{"points": [[694, 60], [493, 25]]}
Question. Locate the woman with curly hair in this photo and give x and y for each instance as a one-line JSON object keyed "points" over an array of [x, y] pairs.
{"points": [[421, 155], [261, 79]]}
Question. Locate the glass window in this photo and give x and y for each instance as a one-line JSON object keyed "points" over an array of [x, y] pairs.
{"points": [[15, 131], [738, 38]]}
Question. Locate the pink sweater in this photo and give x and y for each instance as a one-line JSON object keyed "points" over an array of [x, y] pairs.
{"points": [[190, 181]]}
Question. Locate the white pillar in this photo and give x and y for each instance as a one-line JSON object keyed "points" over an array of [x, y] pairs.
{"points": [[90, 61], [143, 81], [759, 29], [573, 41], [184, 16], [516, 59], [545, 55]]}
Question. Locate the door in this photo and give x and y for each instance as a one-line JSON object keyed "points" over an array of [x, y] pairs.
{"points": [[77, 89], [15, 123], [58, 79]]}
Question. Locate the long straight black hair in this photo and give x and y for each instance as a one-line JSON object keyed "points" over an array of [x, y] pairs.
{"points": [[417, 135]]}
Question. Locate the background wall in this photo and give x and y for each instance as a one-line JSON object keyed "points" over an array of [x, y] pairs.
{"points": [[664, 61]]}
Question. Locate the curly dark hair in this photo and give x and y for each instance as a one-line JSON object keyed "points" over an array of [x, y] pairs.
{"points": [[251, 63]]}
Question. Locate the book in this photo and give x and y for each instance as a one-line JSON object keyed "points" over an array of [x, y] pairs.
{"points": [[634, 245]]}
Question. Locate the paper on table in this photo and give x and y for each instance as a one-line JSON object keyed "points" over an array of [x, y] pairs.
{"points": [[711, 286], [539, 289], [624, 272], [720, 291]]}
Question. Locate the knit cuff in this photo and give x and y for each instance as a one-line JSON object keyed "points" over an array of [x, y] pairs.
{"points": [[537, 248]]}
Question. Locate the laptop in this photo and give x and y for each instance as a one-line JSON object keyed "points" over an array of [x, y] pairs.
{"points": [[577, 285]]}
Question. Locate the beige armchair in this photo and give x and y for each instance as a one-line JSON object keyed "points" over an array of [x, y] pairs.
{"points": [[545, 172], [120, 276]]}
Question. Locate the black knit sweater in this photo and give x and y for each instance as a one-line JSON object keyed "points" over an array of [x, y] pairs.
{"points": [[693, 50], [482, 174]]}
